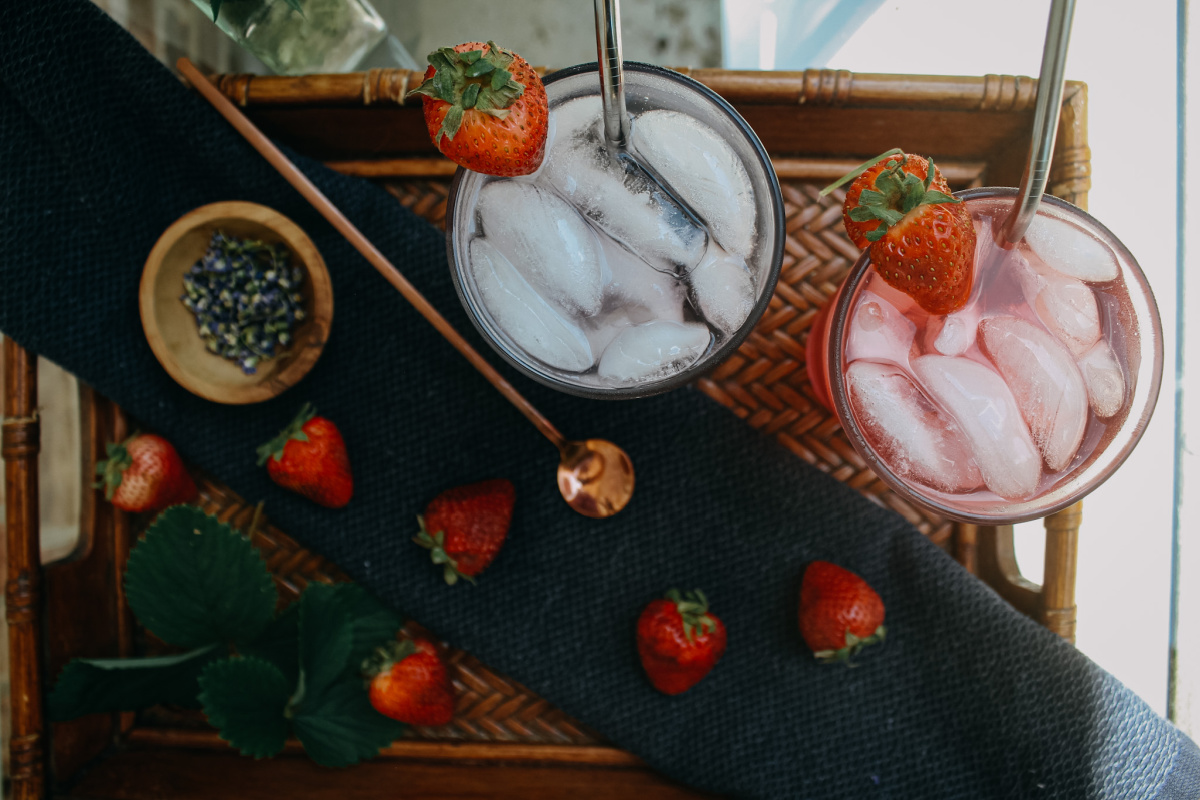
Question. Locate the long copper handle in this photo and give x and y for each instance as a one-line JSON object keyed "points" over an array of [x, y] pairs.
{"points": [[337, 219]]}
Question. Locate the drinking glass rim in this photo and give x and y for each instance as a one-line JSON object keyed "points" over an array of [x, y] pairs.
{"points": [[731, 343], [1103, 466]]}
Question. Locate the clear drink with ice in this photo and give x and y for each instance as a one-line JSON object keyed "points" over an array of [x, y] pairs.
{"points": [[622, 275], [1021, 402]]}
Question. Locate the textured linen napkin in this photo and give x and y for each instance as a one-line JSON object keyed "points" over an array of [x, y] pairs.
{"points": [[101, 149]]}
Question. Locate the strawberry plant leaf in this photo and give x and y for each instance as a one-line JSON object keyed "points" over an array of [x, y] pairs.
{"points": [[244, 699], [470, 95], [279, 643], [341, 727], [481, 67], [94, 685], [500, 78], [194, 580], [326, 638], [371, 624]]}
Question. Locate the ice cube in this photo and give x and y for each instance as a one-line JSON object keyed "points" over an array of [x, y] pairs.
{"points": [[703, 171], [953, 334], [653, 351], [1104, 378], [879, 331], [1066, 306], [1071, 250], [984, 408], [1044, 381], [546, 240], [520, 312], [722, 290], [618, 196], [917, 440], [645, 293]]}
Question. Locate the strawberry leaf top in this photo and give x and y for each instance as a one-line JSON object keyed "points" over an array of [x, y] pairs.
{"points": [[435, 543], [693, 608], [470, 80], [896, 193], [854, 644], [244, 699], [112, 469], [294, 430]]}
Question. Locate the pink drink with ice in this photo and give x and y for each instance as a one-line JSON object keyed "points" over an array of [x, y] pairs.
{"points": [[1024, 400]]}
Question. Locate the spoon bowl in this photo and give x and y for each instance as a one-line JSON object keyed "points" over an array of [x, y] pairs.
{"points": [[595, 477]]}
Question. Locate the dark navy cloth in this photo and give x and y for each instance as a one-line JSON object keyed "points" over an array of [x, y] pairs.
{"points": [[101, 149]]}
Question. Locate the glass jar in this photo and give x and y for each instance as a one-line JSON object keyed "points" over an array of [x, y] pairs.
{"points": [[325, 36]]}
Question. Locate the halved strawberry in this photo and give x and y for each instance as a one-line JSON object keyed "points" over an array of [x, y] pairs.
{"points": [[921, 238], [485, 109]]}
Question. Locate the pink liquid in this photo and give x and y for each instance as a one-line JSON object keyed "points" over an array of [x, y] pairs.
{"points": [[885, 327]]}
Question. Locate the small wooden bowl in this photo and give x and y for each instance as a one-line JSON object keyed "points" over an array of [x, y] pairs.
{"points": [[171, 328]]}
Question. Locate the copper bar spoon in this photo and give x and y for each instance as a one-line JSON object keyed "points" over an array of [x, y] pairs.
{"points": [[595, 476]]}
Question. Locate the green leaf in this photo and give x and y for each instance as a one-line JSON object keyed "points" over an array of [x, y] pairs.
{"points": [[481, 67], [326, 638], [443, 85], [440, 61], [471, 57], [470, 95], [451, 122], [342, 728], [90, 686], [371, 624], [194, 580], [933, 196], [500, 78], [279, 643], [244, 698]]}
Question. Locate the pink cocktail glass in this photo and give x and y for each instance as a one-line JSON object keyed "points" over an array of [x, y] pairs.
{"points": [[1017, 405]]}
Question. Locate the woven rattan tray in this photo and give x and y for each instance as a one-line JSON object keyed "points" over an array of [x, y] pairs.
{"points": [[504, 740]]}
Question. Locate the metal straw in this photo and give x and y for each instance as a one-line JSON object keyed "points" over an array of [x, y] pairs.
{"points": [[1045, 124], [612, 76]]}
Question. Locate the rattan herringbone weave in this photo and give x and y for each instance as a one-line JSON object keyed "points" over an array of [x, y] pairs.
{"points": [[489, 707], [765, 382]]}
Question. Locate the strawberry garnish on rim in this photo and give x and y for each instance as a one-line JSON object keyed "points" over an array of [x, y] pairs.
{"points": [[485, 109], [921, 238]]}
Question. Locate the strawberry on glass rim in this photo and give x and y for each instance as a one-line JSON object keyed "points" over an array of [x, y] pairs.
{"points": [[485, 109], [921, 238]]}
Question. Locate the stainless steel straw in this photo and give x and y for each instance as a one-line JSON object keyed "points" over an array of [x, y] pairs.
{"points": [[1045, 123], [612, 76]]}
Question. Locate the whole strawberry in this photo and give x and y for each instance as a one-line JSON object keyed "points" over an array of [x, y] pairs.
{"points": [[409, 682], [309, 457], [464, 527], [144, 473], [485, 109], [921, 238], [678, 641], [840, 613]]}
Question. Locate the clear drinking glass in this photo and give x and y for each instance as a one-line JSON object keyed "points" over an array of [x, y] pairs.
{"points": [[328, 36], [647, 87], [872, 325]]}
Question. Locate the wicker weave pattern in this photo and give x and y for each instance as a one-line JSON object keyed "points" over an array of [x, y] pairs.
{"points": [[765, 381], [490, 707]]}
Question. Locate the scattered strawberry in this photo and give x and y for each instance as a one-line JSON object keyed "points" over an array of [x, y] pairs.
{"points": [[464, 527], [679, 641], [309, 457], [840, 613], [144, 473], [921, 238], [409, 682], [485, 109]]}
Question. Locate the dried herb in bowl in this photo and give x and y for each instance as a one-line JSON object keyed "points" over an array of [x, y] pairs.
{"points": [[246, 297]]}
